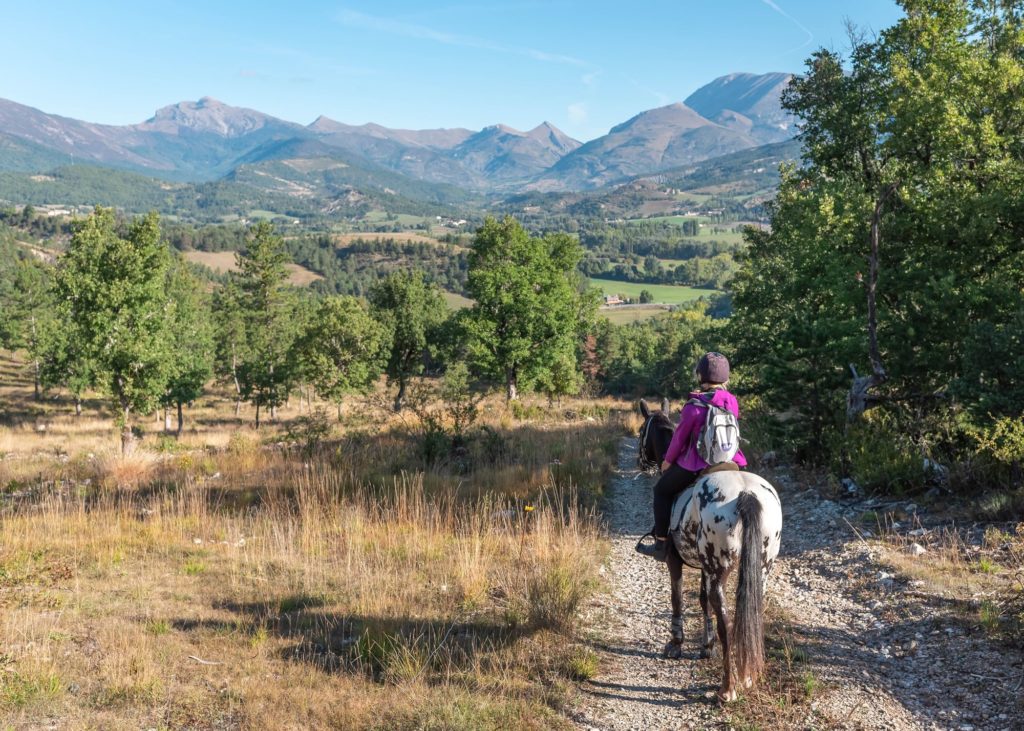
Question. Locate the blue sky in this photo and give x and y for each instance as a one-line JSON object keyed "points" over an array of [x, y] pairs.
{"points": [[584, 66]]}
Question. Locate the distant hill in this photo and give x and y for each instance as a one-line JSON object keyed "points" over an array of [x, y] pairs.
{"points": [[749, 103], [207, 141], [649, 142]]}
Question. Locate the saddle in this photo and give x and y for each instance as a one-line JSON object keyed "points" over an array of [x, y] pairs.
{"points": [[729, 466]]}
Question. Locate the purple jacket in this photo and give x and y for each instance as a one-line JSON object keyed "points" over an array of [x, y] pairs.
{"points": [[683, 449]]}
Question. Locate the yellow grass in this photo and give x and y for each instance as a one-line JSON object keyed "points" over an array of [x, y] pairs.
{"points": [[401, 237], [224, 261], [228, 581]]}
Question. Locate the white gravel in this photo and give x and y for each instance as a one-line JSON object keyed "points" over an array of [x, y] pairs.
{"points": [[886, 653]]}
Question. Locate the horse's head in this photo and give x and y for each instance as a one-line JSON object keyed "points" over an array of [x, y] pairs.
{"points": [[655, 435]]}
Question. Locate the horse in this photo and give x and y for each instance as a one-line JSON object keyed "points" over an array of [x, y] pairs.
{"points": [[725, 520]]}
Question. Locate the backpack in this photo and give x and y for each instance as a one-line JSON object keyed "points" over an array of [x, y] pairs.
{"points": [[719, 438]]}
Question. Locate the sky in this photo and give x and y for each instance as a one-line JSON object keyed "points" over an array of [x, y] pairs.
{"points": [[583, 65]]}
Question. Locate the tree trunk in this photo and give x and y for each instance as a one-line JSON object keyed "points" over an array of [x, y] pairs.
{"points": [[273, 412], [128, 440], [238, 387], [400, 398], [167, 420], [512, 387], [339, 411], [859, 399], [257, 414], [78, 406], [35, 361], [181, 420]]}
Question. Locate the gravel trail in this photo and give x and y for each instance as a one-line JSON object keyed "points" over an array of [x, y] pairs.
{"points": [[885, 653]]}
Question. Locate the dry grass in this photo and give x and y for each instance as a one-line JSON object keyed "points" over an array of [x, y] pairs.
{"points": [[226, 581], [783, 698], [224, 261], [978, 570]]}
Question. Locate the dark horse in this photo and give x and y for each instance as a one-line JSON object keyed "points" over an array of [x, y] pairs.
{"points": [[724, 520]]}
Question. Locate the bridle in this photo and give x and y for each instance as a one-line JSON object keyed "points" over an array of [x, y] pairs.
{"points": [[646, 464]]}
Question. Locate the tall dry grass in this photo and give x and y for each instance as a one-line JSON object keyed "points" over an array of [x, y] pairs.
{"points": [[249, 585]]}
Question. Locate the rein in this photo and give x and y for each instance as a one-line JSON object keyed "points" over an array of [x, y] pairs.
{"points": [[646, 465]]}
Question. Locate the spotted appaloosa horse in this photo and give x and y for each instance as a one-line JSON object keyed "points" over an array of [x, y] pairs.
{"points": [[725, 520]]}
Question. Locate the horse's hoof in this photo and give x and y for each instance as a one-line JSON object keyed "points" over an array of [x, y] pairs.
{"points": [[705, 653], [672, 651], [726, 696]]}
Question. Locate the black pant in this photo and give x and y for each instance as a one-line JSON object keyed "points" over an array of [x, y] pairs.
{"points": [[673, 481]]}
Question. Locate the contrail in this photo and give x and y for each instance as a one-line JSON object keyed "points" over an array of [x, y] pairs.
{"points": [[810, 36]]}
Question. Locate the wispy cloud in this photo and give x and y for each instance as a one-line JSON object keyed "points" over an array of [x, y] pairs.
{"points": [[661, 96], [578, 113], [392, 26], [810, 36]]}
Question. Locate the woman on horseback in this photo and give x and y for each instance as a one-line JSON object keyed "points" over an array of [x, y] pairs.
{"points": [[683, 463]]}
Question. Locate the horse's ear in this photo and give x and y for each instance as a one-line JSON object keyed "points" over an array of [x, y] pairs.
{"points": [[644, 409], [665, 406]]}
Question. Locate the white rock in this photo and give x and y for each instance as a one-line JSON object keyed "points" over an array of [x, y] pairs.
{"points": [[916, 549]]}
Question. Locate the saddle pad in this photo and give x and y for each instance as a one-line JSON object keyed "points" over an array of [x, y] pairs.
{"points": [[720, 467]]}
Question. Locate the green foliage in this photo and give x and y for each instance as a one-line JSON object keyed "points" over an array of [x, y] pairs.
{"points": [[343, 349], [655, 356], [113, 314], [920, 128], [191, 335], [413, 311], [530, 307], [257, 331]]}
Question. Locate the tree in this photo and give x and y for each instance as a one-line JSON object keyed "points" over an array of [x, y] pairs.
{"points": [[413, 311], [344, 349], [29, 307], [191, 338], [896, 247], [229, 336], [646, 297], [112, 292], [265, 305], [531, 307]]}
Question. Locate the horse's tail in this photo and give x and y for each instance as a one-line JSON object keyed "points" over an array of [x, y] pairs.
{"points": [[748, 629]]}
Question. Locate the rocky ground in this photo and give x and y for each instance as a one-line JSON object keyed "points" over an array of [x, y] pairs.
{"points": [[879, 649]]}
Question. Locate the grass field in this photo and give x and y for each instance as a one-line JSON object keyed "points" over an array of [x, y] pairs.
{"points": [[457, 301], [627, 315], [402, 219], [667, 294], [224, 261], [229, 580]]}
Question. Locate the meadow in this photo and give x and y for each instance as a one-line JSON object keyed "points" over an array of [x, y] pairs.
{"points": [[668, 294], [317, 573]]}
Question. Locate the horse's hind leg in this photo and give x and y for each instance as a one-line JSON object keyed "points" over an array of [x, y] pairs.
{"points": [[674, 647], [708, 640], [726, 692]]}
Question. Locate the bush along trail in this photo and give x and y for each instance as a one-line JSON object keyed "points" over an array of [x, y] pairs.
{"points": [[880, 616]]}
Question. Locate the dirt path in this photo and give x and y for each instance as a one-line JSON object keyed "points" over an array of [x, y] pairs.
{"points": [[883, 653]]}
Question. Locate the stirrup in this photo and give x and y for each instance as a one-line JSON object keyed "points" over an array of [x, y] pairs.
{"points": [[652, 550]]}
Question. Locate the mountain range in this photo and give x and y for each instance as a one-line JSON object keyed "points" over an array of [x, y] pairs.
{"points": [[208, 140]]}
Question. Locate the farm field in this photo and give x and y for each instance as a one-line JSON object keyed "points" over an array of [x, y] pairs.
{"points": [[629, 314], [224, 261], [401, 237], [667, 294]]}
